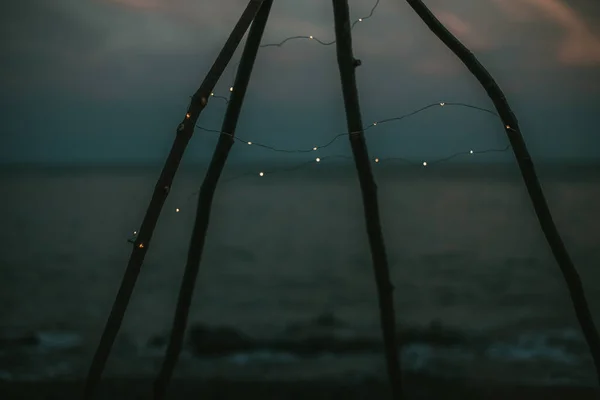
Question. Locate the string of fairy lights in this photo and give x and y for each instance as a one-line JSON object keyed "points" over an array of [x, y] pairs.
{"points": [[315, 148], [299, 37], [365, 130]]}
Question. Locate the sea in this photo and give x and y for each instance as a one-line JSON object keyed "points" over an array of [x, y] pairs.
{"points": [[286, 288]]}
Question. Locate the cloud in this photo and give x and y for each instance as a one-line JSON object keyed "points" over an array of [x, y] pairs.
{"points": [[472, 38], [101, 48], [438, 67], [141, 4], [135, 48], [516, 10], [578, 47], [203, 14]]}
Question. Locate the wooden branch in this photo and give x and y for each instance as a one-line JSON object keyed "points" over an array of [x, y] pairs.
{"points": [[142, 243], [347, 64], [526, 166], [207, 191]]}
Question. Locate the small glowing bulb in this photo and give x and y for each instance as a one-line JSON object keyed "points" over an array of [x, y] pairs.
{"points": [[374, 123], [177, 210], [141, 245], [212, 94], [471, 152], [360, 20], [135, 232], [507, 126], [249, 142], [377, 160], [442, 104], [311, 37], [424, 163], [231, 89], [318, 159], [315, 148], [187, 115], [261, 174]]}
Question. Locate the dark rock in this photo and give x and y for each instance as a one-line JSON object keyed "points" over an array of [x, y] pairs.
{"points": [[10, 341], [435, 334], [327, 320], [323, 321], [318, 344], [157, 341], [321, 335], [324, 334], [218, 341]]}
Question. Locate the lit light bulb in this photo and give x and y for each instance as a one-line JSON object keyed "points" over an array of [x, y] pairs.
{"points": [[135, 232], [177, 210], [249, 142], [442, 104], [424, 163], [377, 160], [187, 115], [231, 89], [311, 37], [360, 20], [374, 123], [261, 174], [507, 126], [318, 159], [315, 148], [471, 152], [141, 245]]}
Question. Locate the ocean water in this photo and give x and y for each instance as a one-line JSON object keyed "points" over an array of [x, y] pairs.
{"points": [[478, 293]]}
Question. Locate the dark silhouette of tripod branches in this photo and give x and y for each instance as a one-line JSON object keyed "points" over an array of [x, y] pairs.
{"points": [[256, 14]]}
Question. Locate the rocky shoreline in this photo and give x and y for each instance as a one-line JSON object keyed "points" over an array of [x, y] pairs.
{"points": [[323, 347]]}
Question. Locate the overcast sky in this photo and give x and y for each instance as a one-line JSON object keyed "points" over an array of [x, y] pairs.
{"points": [[109, 80]]}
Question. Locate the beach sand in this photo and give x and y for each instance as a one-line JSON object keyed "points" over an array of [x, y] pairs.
{"points": [[416, 387]]}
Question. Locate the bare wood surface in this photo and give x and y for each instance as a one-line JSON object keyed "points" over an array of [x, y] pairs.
{"points": [[347, 64], [141, 245], [206, 195], [528, 173]]}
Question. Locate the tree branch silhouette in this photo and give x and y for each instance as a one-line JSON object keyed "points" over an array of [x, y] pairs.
{"points": [[141, 244], [347, 65], [528, 173]]}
